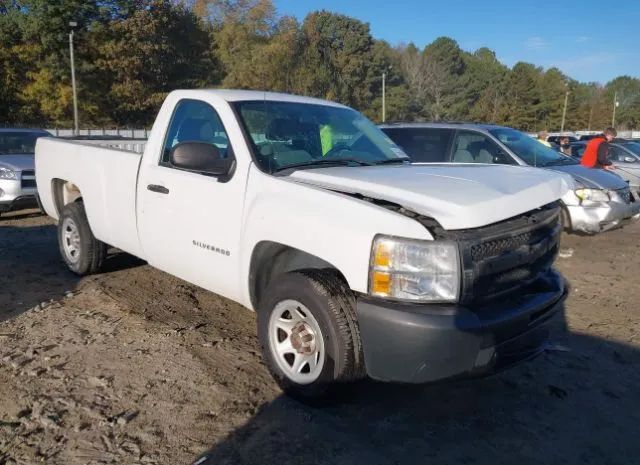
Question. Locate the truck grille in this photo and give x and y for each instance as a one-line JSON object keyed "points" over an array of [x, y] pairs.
{"points": [[28, 179], [500, 259]]}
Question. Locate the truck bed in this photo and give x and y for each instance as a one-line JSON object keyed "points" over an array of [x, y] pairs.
{"points": [[126, 145], [105, 172]]}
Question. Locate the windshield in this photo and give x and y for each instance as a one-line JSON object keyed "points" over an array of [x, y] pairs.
{"points": [[288, 134], [530, 150], [19, 142]]}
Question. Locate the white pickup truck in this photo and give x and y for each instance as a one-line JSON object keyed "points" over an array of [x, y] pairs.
{"points": [[356, 262]]}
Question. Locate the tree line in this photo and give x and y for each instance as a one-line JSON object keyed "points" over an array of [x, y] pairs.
{"points": [[130, 53]]}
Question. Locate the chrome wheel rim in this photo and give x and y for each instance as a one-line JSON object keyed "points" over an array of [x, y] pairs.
{"points": [[296, 342], [71, 240]]}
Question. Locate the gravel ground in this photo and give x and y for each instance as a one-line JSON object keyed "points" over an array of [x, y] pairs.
{"points": [[135, 366]]}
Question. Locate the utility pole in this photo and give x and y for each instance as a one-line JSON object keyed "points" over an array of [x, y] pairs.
{"points": [[564, 112], [384, 107], [73, 79], [615, 104], [384, 93]]}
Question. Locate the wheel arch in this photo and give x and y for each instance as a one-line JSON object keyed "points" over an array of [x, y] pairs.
{"points": [[270, 258], [64, 193]]}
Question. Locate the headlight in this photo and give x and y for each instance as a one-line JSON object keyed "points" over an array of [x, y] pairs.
{"points": [[414, 270], [6, 173], [595, 195]]}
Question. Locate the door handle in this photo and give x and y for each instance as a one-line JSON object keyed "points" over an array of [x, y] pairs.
{"points": [[158, 189]]}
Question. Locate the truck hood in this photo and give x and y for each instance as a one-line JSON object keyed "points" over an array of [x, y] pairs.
{"points": [[18, 162], [457, 196], [592, 178]]}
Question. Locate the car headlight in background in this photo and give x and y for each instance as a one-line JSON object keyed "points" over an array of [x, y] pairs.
{"points": [[6, 173], [594, 195], [414, 270]]}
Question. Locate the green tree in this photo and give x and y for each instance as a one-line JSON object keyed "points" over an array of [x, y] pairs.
{"points": [[627, 91], [522, 98], [337, 55], [385, 59], [157, 49], [553, 87], [445, 68], [485, 85]]}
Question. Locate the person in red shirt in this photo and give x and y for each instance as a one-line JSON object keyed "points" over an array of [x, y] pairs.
{"points": [[596, 154]]}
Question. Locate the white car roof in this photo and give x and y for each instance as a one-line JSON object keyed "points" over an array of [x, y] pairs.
{"points": [[234, 95]]}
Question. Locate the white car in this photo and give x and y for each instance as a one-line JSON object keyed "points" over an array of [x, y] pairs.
{"points": [[17, 176], [357, 262]]}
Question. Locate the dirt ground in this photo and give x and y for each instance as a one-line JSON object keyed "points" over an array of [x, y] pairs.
{"points": [[134, 366]]}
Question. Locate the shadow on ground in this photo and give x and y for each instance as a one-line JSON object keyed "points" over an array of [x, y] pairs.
{"points": [[577, 403], [31, 270]]}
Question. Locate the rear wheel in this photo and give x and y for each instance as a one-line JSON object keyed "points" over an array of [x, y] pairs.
{"points": [[309, 334], [81, 251]]}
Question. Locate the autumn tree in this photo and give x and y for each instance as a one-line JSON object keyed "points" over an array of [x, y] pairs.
{"points": [[337, 55], [157, 49]]}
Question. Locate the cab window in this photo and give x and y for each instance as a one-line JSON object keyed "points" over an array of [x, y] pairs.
{"points": [[195, 121], [475, 147], [423, 145]]}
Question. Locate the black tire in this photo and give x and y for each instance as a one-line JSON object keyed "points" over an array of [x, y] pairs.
{"points": [[332, 304], [92, 252]]}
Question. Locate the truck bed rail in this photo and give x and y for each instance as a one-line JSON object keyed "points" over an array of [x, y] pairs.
{"points": [[126, 145]]}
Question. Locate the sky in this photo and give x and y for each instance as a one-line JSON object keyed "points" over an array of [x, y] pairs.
{"points": [[589, 40]]}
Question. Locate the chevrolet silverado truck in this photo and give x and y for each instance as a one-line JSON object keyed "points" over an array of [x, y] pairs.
{"points": [[356, 261]]}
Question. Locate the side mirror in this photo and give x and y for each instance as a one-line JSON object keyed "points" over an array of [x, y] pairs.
{"points": [[201, 157], [629, 159]]}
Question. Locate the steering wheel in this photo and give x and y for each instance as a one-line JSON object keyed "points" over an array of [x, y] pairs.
{"points": [[340, 146]]}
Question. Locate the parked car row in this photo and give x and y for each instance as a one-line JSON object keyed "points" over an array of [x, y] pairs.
{"points": [[600, 200]]}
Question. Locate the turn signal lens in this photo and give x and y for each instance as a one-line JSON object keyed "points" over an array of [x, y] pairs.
{"points": [[382, 255], [380, 283]]}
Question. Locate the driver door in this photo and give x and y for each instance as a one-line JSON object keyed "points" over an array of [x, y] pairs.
{"points": [[189, 222]]}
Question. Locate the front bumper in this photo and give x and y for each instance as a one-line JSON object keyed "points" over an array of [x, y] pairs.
{"points": [[13, 196], [418, 343], [602, 216]]}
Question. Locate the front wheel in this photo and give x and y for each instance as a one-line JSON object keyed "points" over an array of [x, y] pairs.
{"points": [[80, 250], [309, 334]]}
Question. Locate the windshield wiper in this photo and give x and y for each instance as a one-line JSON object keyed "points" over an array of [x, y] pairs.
{"points": [[391, 161], [325, 161]]}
